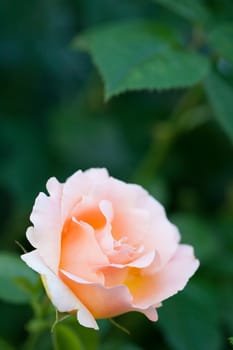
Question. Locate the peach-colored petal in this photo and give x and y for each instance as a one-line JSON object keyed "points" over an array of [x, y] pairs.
{"points": [[104, 234], [102, 302], [107, 302], [165, 237], [80, 252], [141, 218], [132, 223], [75, 278], [144, 260], [114, 276], [144, 220], [86, 319], [152, 289], [107, 210], [162, 235], [31, 237], [46, 218], [88, 211], [78, 185], [54, 187], [61, 296], [150, 313], [123, 195], [97, 175], [142, 229]]}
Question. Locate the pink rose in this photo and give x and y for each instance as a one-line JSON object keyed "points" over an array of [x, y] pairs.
{"points": [[105, 247]]}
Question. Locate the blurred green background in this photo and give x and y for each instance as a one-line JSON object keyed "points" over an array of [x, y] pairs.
{"points": [[176, 142]]}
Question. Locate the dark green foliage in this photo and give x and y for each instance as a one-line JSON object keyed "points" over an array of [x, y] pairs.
{"points": [[220, 95], [147, 56]]}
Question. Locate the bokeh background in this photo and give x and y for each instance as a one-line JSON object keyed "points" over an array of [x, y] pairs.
{"points": [[54, 121]]}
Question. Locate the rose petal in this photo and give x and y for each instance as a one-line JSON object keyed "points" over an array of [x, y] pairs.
{"points": [[150, 313], [114, 276], [61, 296], [75, 277], [102, 302], [97, 175], [80, 252], [108, 302], [104, 235], [165, 237], [144, 261], [85, 319], [78, 185], [145, 222], [46, 217], [54, 187], [123, 195], [30, 234], [132, 223], [107, 210], [162, 234], [152, 289]]}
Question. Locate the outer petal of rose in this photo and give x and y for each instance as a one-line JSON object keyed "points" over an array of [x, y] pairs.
{"points": [[80, 252], [97, 175], [46, 217], [144, 220], [102, 302], [54, 187], [31, 236], [152, 289], [106, 302], [62, 298], [122, 195], [37, 234], [150, 313], [162, 233], [165, 237]]}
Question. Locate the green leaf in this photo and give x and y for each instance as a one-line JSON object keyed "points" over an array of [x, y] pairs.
{"points": [[13, 272], [194, 11], [116, 344], [199, 233], [37, 325], [226, 291], [221, 40], [66, 338], [88, 338], [190, 320], [231, 340], [4, 345], [220, 95], [141, 55]]}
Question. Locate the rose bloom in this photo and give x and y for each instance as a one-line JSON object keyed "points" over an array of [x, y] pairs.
{"points": [[104, 247]]}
